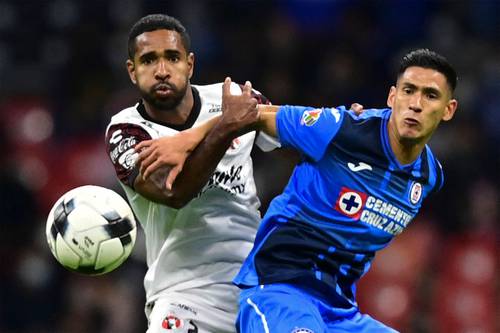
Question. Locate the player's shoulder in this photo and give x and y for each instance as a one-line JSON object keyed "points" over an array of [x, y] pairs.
{"points": [[436, 173], [131, 121], [360, 133], [208, 88], [211, 96], [433, 161], [368, 114], [127, 115], [366, 122], [215, 89]]}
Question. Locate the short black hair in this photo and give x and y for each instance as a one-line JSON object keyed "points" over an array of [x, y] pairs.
{"points": [[156, 22], [429, 59]]}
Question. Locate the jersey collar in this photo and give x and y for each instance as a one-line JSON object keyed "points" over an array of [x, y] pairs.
{"points": [[386, 145], [193, 115]]}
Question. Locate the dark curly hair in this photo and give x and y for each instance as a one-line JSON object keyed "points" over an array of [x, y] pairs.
{"points": [[156, 22], [429, 59]]}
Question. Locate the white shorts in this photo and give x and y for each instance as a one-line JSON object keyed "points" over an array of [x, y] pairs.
{"points": [[180, 315]]}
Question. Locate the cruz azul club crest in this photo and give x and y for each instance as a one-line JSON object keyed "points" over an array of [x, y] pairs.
{"points": [[415, 192], [350, 202]]}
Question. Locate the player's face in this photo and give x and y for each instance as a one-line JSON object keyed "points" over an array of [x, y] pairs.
{"points": [[419, 101], [161, 68]]}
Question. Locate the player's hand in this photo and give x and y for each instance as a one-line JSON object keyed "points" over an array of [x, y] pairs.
{"points": [[171, 151], [357, 108], [239, 112]]}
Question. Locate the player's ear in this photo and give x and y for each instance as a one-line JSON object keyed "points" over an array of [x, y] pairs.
{"points": [[450, 109], [190, 61], [131, 71], [391, 97]]}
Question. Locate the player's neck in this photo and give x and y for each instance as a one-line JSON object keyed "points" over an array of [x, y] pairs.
{"points": [[177, 115], [405, 151]]}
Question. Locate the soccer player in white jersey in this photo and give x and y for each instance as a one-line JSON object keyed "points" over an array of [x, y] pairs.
{"points": [[199, 230]]}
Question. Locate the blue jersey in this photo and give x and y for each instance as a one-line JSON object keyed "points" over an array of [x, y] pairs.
{"points": [[346, 199]]}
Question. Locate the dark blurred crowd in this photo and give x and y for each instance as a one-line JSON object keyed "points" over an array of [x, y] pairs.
{"points": [[62, 69]]}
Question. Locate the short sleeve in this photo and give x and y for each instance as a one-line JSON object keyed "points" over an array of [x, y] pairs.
{"points": [[263, 141], [307, 129], [266, 142], [120, 142]]}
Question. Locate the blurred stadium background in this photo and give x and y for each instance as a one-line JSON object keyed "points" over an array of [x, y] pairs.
{"points": [[63, 75]]}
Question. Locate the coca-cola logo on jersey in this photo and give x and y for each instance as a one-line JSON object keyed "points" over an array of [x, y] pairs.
{"points": [[124, 152]]}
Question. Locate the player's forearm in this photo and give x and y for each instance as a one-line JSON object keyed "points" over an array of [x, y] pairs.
{"points": [[200, 132], [267, 121], [154, 187], [201, 164], [161, 157], [198, 168]]}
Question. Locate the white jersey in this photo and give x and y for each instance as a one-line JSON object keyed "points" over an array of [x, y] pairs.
{"points": [[193, 252]]}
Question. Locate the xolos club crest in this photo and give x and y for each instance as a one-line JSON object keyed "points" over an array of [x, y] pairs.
{"points": [[173, 324]]}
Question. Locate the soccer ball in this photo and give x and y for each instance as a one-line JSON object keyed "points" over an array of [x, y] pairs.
{"points": [[91, 230]]}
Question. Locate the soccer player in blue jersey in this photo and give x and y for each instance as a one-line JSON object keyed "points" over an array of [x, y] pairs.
{"points": [[360, 182]]}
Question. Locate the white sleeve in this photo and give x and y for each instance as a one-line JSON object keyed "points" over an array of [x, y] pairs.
{"points": [[266, 142], [263, 141]]}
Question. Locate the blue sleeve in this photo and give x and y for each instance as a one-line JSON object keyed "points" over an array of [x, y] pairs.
{"points": [[307, 129]]}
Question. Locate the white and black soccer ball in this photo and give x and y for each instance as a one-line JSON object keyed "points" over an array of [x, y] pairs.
{"points": [[91, 230]]}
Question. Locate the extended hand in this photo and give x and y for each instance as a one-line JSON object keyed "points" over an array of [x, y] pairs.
{"points": [[239, 111], [357, 108]]}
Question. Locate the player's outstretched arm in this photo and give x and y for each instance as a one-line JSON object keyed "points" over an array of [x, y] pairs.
{"points": [[161, 160], [171, 151], [239, 116], [267, 113], [267, 121]]}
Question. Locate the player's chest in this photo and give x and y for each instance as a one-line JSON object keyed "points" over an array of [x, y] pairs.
{"points": [[380, 197]]}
